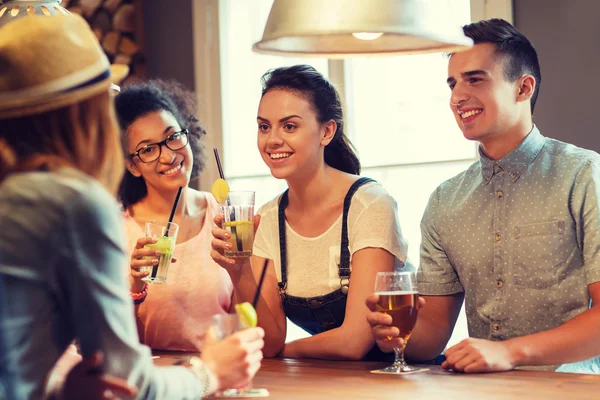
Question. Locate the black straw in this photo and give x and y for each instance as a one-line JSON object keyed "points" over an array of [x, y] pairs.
{"points": [[155, 268], [219, 166], [174, 209], [238, 240], [260, 282]]}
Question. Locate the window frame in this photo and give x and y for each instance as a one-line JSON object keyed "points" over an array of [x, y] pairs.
{"points": [[205, 19]]}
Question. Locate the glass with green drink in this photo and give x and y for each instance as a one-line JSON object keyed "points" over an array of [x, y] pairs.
{"points": [[238, 216], [224, 325], [165, 234]]}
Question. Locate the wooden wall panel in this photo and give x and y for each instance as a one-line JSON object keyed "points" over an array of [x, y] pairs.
{"points": [[118, 26]]}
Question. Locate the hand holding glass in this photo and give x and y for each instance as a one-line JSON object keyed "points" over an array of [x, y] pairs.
{"points": [[222, 326], [399, 298], [238, 215], [165, 234]]}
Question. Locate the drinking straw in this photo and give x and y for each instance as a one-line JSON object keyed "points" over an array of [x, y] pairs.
{"points": [[155, 268], [173, 210], [219, 166], [238, 240], [260, 282]]}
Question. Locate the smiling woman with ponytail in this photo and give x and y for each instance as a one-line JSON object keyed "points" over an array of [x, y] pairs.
{"points": [[305, 81], [326, 237]]}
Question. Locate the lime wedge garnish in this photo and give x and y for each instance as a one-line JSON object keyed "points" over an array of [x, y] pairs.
{"points": [[164, 244], [220, 190], [247, 314]]}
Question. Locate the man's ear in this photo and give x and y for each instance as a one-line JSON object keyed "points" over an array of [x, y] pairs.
{"points": [[329, 129], [527, 85], [131, 167]]}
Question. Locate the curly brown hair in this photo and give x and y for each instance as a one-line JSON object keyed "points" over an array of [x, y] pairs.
{"points": [[137, 100]]}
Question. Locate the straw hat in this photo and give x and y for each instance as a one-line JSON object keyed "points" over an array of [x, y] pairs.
{"points": [[51, 62]]}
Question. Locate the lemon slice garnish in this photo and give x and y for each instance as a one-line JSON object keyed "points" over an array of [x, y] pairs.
{"points": [[247, 314], [220, 190]]}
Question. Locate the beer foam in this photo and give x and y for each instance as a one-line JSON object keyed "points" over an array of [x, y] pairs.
{"points": [[396, 293]]}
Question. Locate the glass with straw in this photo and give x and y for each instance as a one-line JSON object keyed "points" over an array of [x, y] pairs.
{"points": [[165, 234], [238, 215], [224, 325], [238, 219]]}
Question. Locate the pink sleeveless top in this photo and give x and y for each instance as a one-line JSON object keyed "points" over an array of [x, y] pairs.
{"points": [[176, 315]]}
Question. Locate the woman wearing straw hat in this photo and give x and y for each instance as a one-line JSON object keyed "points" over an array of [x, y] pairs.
{"points": [[61, 254], [170, 316]]}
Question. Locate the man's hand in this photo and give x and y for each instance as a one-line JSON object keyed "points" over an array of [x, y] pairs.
{"points": [[385, 335], [479, 355]]}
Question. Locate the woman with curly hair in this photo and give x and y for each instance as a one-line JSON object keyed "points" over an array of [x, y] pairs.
{"points": [[162, 142]]}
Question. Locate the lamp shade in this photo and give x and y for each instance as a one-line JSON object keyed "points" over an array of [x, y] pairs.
{"points": [[13, 9], [342, 28]]}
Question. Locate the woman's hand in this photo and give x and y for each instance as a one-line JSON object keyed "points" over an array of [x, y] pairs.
{"points": [[86, 382], [219, 243], [234, 360], [58, 375], [139, 260], [142, 257]]}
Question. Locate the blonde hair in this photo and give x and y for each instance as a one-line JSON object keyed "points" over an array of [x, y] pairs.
{"points": [[84, 136]]}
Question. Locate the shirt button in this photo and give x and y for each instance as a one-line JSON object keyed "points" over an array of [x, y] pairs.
{"points": [[499, 283], [513, 175], [495, 327], [499, 194], [498, 237]]}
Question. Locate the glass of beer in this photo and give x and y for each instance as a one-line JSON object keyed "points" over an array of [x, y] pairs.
{"points": [[238, 215], [399, 298]]}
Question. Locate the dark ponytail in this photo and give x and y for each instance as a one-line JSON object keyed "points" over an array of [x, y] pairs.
{"points": [[325, 101]]}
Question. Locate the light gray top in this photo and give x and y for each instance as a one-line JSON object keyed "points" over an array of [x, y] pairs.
{"points": [[312, 265], [520, 236], [62, 264]]}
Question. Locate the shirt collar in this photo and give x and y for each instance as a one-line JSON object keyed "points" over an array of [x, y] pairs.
{"points": [[515, 162]]}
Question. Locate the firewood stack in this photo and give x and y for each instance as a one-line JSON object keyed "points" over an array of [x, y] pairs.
{"points": [[117, 24]]}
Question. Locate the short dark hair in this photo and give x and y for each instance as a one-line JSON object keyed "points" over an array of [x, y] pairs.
{"points": [[325, 101], [519, 54], [139, 99]]}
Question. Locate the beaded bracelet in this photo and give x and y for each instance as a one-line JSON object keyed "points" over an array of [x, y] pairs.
{"points": [[138, 298], [208, 380]]}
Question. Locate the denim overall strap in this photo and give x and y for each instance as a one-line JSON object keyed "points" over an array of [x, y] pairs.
{"points": [[344, 265], [283, 202]]}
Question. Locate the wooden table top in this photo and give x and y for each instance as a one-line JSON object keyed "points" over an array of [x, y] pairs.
{"points": [[319, 379]]}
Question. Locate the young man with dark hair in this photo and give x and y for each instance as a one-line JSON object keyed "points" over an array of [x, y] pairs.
{"points": [[516, 236]]}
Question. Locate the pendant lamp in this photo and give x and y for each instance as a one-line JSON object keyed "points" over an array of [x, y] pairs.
{"points": [[343, 28]]}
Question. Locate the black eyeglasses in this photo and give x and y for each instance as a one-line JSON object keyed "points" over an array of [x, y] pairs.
{"points": [[151, 152]]}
